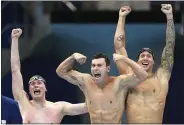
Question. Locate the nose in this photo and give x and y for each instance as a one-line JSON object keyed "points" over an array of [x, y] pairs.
{"points": [[36, 85], [145, 58], [95, 67]]}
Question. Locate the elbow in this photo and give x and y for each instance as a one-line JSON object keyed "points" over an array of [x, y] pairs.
{"points": [[60, 72], [57, 71]]}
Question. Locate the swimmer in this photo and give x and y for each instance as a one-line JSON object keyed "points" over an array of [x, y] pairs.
{"points": [[105, 95], [145, 103], [37, 110]]}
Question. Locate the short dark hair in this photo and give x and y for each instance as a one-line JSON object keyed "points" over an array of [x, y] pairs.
{"points": [[101, 55], [147, 50]]}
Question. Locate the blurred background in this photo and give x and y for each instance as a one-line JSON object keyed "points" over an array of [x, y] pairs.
{"points": [[52, 31]]}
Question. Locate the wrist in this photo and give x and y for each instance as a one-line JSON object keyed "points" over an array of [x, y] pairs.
{"points": [[169, 16], [14, 38], [122, 17]]}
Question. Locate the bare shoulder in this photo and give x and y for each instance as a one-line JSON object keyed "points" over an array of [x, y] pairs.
{"points": [[49, 102], [87, 76], [113, 79], [59, 104]]}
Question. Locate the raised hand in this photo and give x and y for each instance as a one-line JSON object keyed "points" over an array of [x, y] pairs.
{"points": [[81, 59], [166, 8], [16, 33], [117, 57], [124, 10]]}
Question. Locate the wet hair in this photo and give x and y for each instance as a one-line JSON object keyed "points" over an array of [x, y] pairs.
{"points": [[101, 55], [147, 50], [37, 77]]}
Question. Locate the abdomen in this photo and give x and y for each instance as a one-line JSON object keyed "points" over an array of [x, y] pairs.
{"points": [[106, 116]]}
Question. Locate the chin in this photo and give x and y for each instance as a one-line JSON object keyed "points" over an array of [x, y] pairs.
{"points": [[37, 97]]}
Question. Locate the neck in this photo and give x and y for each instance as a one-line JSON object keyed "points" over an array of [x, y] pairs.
{"points": [[150, 73], [103, 83], [40, 103]]}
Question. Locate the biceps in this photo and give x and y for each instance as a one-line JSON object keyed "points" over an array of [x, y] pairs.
{"points": [[17, 85], [75, 78], [76, 109], [130, 81]]}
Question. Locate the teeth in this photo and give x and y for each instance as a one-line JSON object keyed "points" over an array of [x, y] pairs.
{"points": [[145, 63], [97, 75]]}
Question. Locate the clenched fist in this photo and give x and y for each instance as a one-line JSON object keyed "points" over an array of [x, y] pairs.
{"points": [[124, 10], [81, 59], [166, 8], [117, 57], [16, 33]]}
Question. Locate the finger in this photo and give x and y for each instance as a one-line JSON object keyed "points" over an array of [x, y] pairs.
{"points": [[128, 8], [78, 61], [168, 7], [163, 5], [15, 31], [83, 61], [162, 9]]}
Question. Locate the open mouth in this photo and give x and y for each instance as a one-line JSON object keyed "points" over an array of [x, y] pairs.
{"points": [[37, 92], [97, 75], [145, 63]]}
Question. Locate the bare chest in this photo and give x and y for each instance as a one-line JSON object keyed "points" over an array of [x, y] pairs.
{"points": [[104, 98], [44, 115], [147, 94]]}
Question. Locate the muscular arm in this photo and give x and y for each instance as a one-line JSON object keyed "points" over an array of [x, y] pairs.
{"points": [[135, 78], [167, 58], [17, 82], [119, 44], [65, 71], [74, 109]]}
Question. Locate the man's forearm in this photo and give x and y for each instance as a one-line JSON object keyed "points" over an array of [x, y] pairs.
{"points": [[137, 69], [15, 59], [119, 39], [66, 65], [170, 30], [168, 52]]}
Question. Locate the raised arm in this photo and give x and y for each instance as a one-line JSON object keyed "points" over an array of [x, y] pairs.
{"points": [[65, 69], [131, 79], [119, 39], [167, 58], [17, 82], [74, 109]]}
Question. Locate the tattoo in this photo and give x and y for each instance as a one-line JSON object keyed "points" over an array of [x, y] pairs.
{"points": [[73, 77], [121, 38], [79, 82], [168, 52]]}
